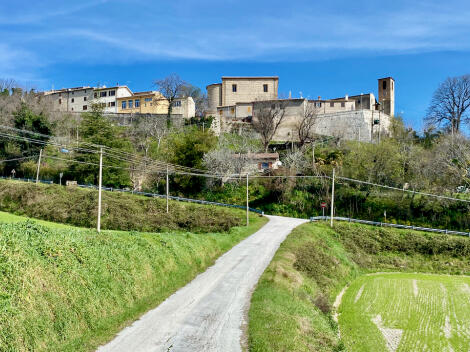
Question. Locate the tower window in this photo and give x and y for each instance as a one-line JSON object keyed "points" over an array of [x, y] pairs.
{"points": [[384, 85], [265, 88], [234, 88]]}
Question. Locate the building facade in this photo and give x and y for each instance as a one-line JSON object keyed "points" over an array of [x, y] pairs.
{"points": [[76, 99], [107, 97], [357, 117], [153, 102], [240, 90]]}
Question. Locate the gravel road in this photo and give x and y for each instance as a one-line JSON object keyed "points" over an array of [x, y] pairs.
{"points": [[208, 314]]}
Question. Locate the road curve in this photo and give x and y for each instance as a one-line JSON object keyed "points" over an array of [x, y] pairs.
{"points": [[209, 312]]}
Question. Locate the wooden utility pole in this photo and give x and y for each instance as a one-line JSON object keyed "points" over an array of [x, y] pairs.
{"points": [[332, 198], [39, 165], [100, 182], [313, 155], [247, 202], [167, 188]]}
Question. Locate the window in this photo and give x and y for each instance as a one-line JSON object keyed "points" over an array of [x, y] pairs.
{"points": [[234, 88], [72, 109], [384, 85], [85, 107], [148, 99], [137, 103], [232, 110], [177, 103], [103, 94], [60, 101], [73, 100], [343, 104], [84, 98], [318, 104], [332, 105], [103, 105], [112, 93], [95, 95], [265, 88], [130, 103], [220, 112], [123, 104], [109, 104], [113, 103]]}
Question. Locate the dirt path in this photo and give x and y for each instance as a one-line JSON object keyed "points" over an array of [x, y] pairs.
{"points": [[208, 313]]}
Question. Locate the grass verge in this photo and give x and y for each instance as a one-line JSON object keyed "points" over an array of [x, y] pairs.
{"points": [[291, 307], [120, 211], [70, 289]]}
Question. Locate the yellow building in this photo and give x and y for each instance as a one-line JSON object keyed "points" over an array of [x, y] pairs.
{"points": [[153, 102]]}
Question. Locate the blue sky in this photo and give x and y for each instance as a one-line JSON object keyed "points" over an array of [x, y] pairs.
{"points": [[323, 48]]}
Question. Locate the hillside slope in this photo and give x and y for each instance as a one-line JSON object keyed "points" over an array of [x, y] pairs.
{"points": [[120, 211], [291, 307], [70, 289]]}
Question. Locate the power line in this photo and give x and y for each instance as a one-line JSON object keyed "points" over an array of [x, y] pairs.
{"points": [[25, 157], [404, 190]]}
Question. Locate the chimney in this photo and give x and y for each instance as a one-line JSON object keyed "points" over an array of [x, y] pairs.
{"points": [[346, 97], [319, 97]]}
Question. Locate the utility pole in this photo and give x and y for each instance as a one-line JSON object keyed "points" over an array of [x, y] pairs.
{"points": [[332, 198], [167, 188], [247, 205], [313, 155], [100, 182], [39, 165]]}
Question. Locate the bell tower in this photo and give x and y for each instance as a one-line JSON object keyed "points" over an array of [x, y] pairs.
{"points": [[387, 95]]}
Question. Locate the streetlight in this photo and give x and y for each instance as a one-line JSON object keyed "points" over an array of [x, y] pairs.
{"points": [[60, 178], [13, 173]]}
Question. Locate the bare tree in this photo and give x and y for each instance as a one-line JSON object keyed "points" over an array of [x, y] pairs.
{"points": [[6, 85], [450, 103], [305, 126], [171, 87], [267, 117], [200, 98]]}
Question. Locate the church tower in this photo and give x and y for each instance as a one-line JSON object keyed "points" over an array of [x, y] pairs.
{"points": [[387, 95]]}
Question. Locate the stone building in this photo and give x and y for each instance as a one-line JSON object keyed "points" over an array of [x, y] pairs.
{"points": [[356, 117], [238, 93], [70, 99]]}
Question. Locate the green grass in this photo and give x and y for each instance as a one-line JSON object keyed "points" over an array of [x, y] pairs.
{"points": [[120, 211], [427, 313], [11, 218], [291, 309], [71, 289]]}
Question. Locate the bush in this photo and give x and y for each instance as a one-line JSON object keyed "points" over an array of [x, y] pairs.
{"points": [[120, 211]]}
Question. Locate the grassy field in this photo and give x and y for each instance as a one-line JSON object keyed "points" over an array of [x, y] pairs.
{"points": [[291, 309], [71, 289], [406, 312], [120, 211], [12, 218]]}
